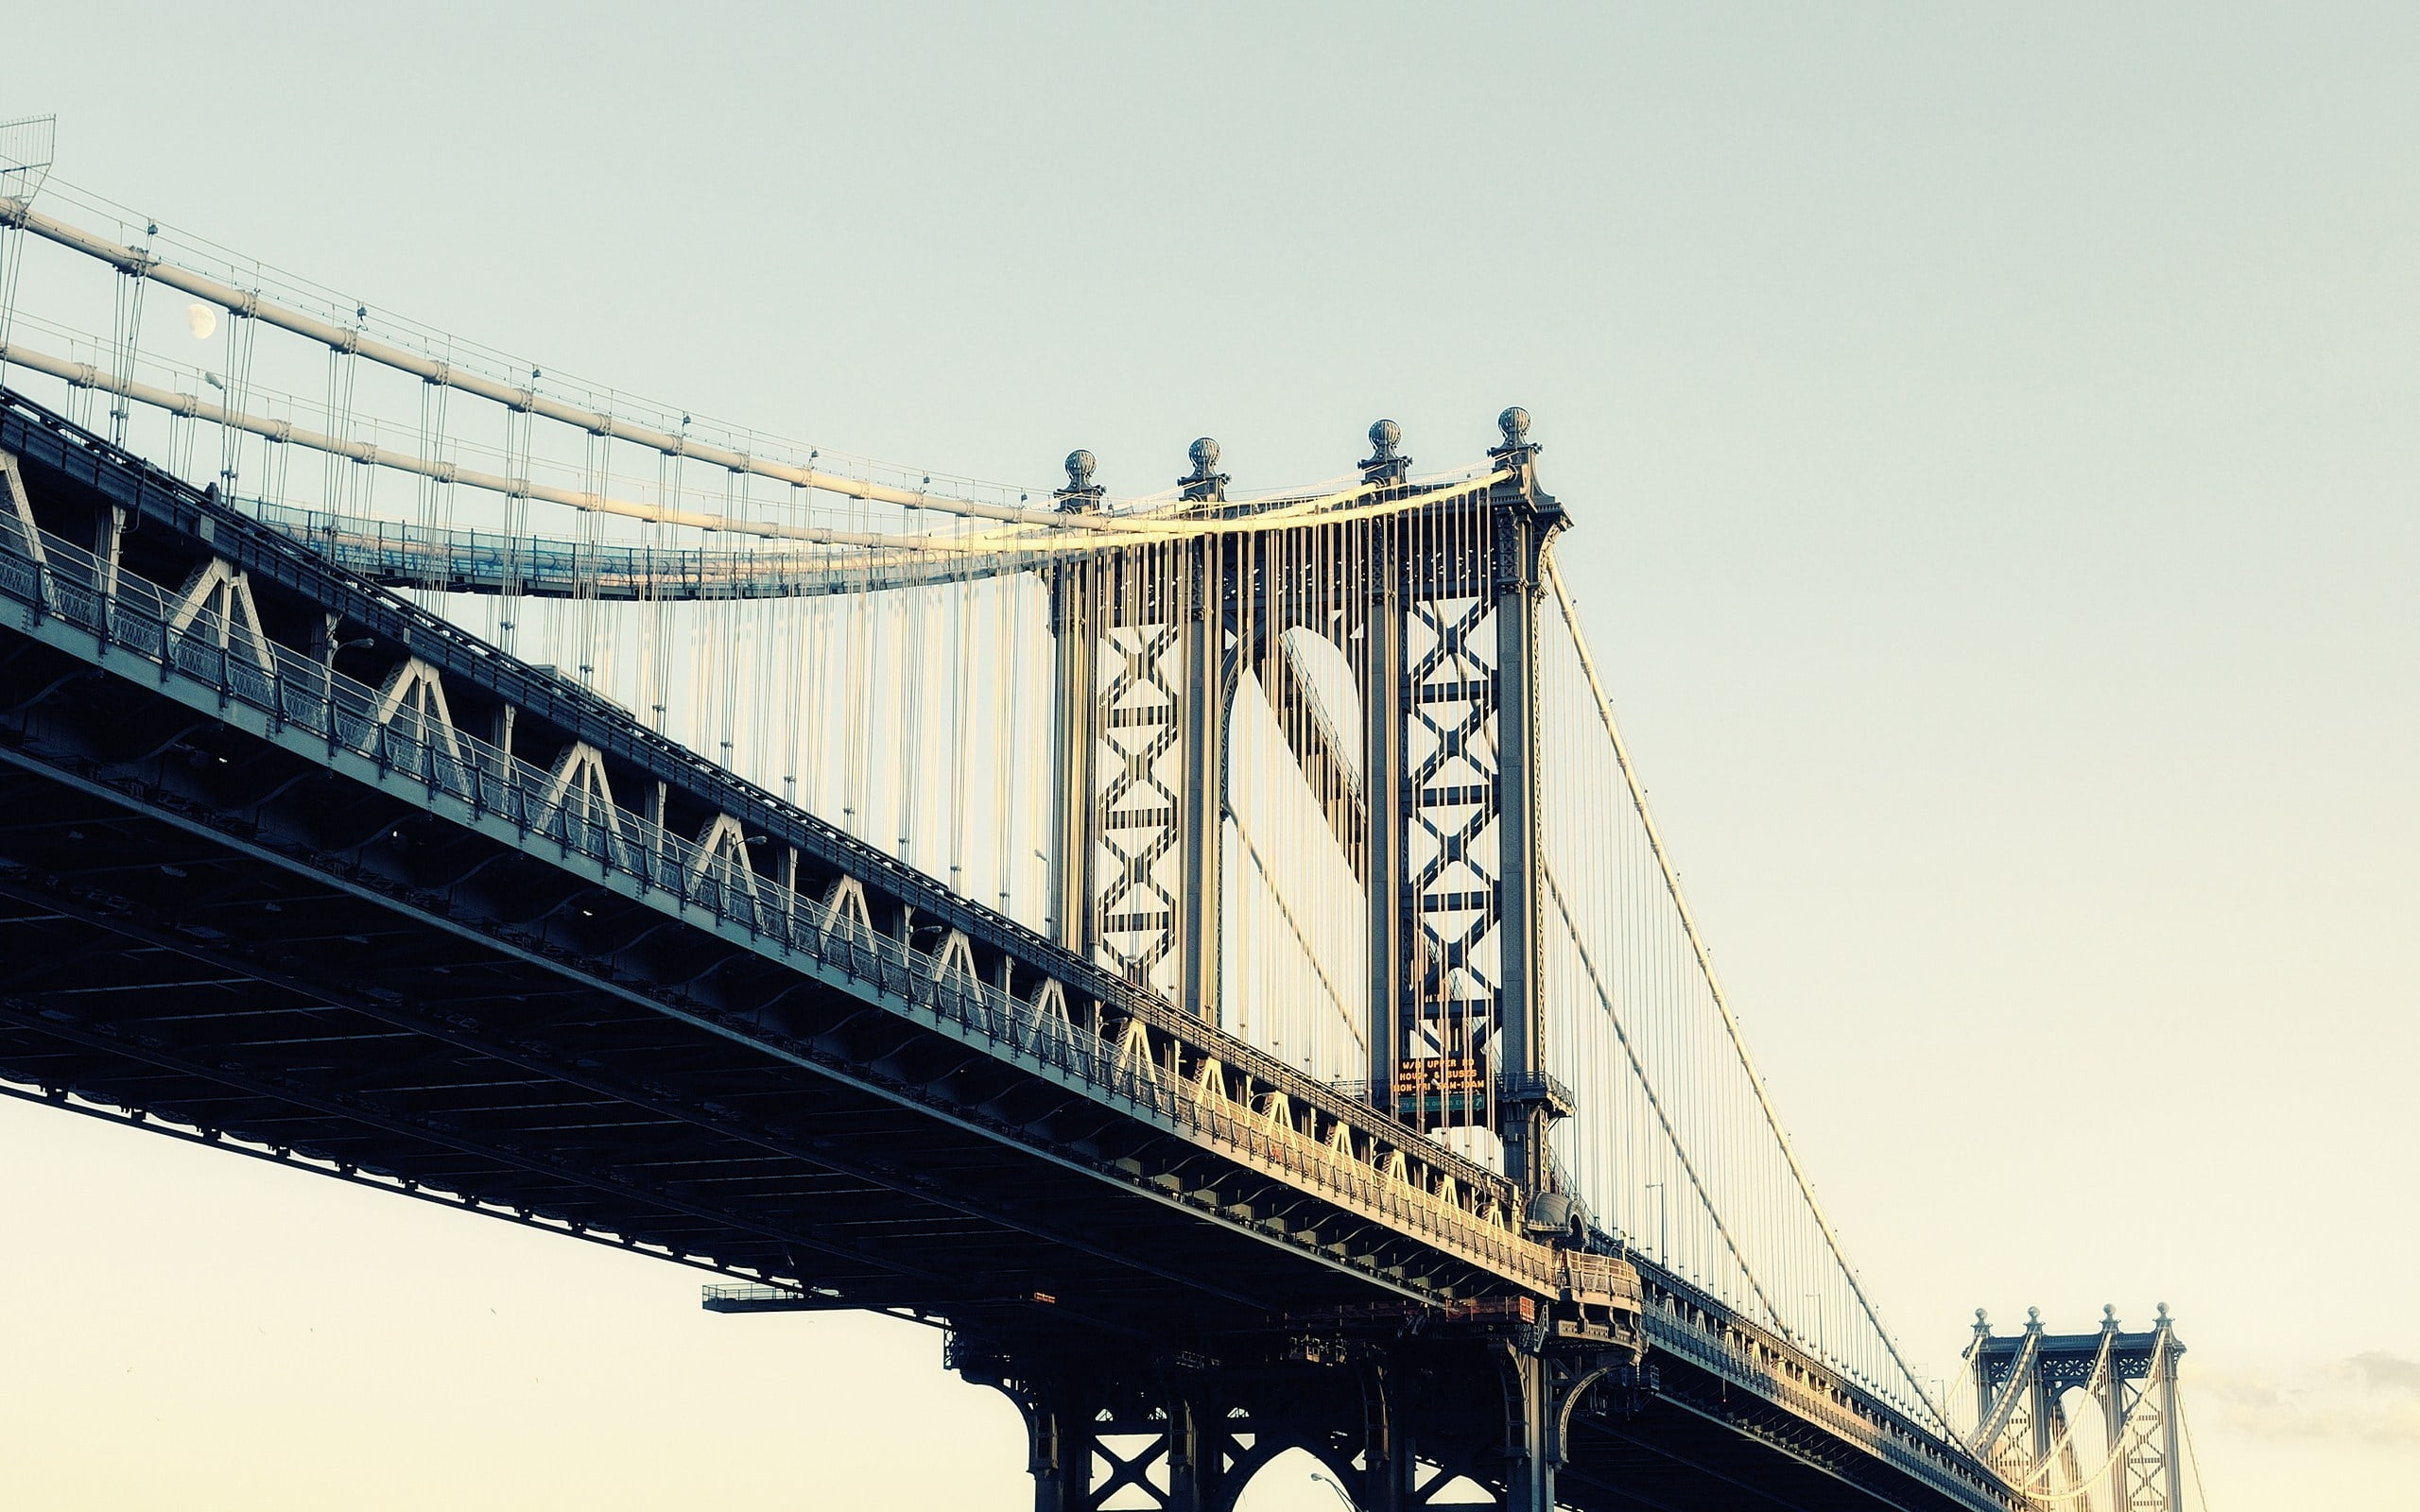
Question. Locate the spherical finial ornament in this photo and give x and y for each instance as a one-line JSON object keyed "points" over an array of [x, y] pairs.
{"points": [[1080, 469], [2109, 1312], [2034, 1315], [1205, 457], [1981, 1317], [1384, 438], [2162, 1312], [1514, 424]]}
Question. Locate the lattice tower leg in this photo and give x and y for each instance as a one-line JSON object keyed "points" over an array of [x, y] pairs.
{"points": [[2112, 1409], [1386, 874], [1520, 1013], [1203, 716], [1074, 751], [2171, 1433]]}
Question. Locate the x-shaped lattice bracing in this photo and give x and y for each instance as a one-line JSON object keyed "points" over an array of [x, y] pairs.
{"points": [[1134, 900], [1458, 740]]}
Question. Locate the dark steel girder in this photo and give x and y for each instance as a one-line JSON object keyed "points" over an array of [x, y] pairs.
{"points": [[354, 1109], [1068, 1234], [123, 920]]}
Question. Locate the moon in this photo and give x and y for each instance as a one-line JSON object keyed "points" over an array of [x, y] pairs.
{"points": [[200, 319]]}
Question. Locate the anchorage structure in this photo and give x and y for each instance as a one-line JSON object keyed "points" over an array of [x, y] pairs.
{"points": [[1211, 952]]}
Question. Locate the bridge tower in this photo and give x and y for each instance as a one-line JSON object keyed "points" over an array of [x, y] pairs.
{"points": [[1436, 611], [1139, 740], [2022, 1381]]}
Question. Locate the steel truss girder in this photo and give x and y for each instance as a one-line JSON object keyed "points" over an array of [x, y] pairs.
{"points": [[557, 1067], [920, 1082], [151, 1122]]}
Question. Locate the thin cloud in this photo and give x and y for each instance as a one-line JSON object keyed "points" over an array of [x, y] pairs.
{"points": [[2389, 1373], [2374, 1397]]}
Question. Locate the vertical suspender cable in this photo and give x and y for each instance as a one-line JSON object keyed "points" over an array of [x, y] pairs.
{"points": [[1737, 1044]]}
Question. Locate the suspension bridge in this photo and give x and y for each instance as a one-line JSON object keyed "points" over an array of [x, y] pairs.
{"points": [[1209, 953]]}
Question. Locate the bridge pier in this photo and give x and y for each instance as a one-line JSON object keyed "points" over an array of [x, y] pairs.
{"points": [[1095, 1437], [1396, 1405], [1529, 1457]]}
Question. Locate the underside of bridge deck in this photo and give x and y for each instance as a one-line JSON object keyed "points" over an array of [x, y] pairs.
{"points": [[486, 1030]]}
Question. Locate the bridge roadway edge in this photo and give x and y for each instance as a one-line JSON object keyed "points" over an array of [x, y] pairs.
{"points": [[539, 954], [702, 1019], [754, 1037]]}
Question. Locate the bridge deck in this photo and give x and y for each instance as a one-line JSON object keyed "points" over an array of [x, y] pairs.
{"points": [[245, 889], [407, 948]]}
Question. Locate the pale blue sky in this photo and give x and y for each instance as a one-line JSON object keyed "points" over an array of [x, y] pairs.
{"points": [[1992, 438]]}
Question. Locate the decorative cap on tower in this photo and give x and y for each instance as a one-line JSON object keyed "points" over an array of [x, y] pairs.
{"points": [[1205, 482], [1514, 424], [1081, 492], [1385, 462]]}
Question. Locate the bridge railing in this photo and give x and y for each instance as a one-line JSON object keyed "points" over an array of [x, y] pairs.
{"points": [[1699, 1329], [1122, 1049]]}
